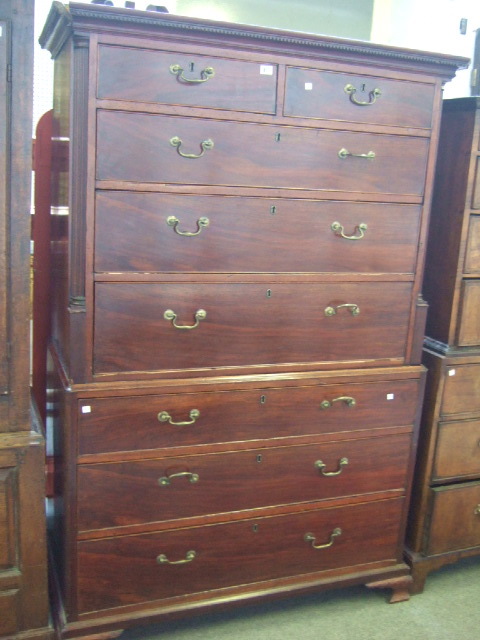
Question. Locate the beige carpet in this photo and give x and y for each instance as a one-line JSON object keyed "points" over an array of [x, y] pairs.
{"points": [[449, 609]]}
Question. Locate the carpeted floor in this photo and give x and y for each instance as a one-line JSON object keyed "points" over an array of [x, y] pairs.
{"points": [[449, 609]]}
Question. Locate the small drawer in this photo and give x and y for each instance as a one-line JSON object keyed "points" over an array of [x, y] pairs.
{"points": [[160, 150], [455, 518], [461, 392], [133, 569], [234, 325], [169, 421], [469, 327], [472, 256], [367, 99], [131, 493], [186, 233], [164, 77], [458, 450]]}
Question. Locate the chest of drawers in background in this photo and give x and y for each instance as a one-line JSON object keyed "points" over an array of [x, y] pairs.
{"points": [[445, 519], [235, 360]]}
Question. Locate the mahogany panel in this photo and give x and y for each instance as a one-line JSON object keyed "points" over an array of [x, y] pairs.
{"points": [[4, 59], [246, 324], [455, 518], [9, 606], [458, 450], [462, 390], [331, 95], [131, 423], [7, 518], [469, 327], [476, 187], [108, 493], [472, 255], [133, 233], [248, 154], [143, 75], [243, 552]]}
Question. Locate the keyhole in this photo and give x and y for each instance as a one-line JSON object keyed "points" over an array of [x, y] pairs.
{"points": [[269, 293], [263, 400], [273, 209], [277, 137], [363, 87], [259, 457], [255, 528], [192, 67]]}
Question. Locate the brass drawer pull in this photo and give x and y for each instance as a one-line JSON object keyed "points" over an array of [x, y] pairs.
{"points": [[337, 228], [162, 558], [205, 145], [320, 465], [344, 153], [476, 511], [205, 74], [164, 416], [309, 537], [373, 95], [201, 314], [332, 311], [172, 221], [165, 480], [348, 400]]}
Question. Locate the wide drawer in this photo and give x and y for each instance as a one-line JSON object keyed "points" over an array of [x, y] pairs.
{"points": [[455, 518], [154, 490], [357, 98], [168, 421], [469, 327], [246, 324], [128, 570], [164, 77], [257, 155], [458, 450], [461, 392], [153, 232]]}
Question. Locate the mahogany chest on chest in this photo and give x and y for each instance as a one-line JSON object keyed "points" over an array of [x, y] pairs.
{"points": [[237, 244]]}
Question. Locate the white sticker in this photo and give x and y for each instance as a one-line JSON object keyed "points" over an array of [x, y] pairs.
{"points": [[452, 372], [87, 409], [308, 86], [390, 396], [266, 70]]}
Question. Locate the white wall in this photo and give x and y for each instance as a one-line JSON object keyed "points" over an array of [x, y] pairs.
{"points": [[430, 25]]}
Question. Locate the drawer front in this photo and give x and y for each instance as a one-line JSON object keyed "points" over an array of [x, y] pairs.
{"points": [[168, 421], [455, 522], [458, 450], [469, 329], [246, 324], [472, 257], [128, 493], [125, 570], [146, 232], [9, 606], [257, 155], [355, 98], [164, 77], [462, 390]]}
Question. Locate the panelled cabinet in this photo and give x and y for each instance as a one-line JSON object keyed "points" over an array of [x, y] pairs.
{"points": [[445, 519], [237, 249], [23, 565]]}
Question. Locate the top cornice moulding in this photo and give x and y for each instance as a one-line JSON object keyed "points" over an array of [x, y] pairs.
{"points": [[64, 20]]}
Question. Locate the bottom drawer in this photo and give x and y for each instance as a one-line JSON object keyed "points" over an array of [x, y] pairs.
{"points": [[455, 518], [133, 569]]}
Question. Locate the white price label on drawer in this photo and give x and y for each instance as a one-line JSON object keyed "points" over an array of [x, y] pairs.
{"points": [[266, 70], [87, 409], [390, 396], [308, 86], [452, 372]]}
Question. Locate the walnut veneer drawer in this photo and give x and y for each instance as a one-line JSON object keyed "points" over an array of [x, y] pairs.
{"points": [[357, 98], [472, 256], [135, 492], [246, 324], [469, 328], [461, 393], [146, 232], [455, 518], [164, 77], [458, 450], [258, 155], [150, 422], [127, 570]]}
